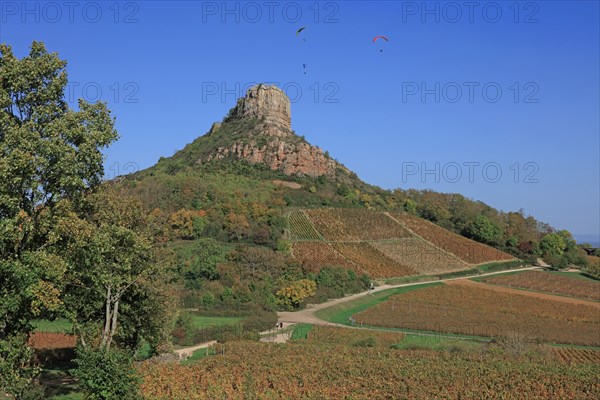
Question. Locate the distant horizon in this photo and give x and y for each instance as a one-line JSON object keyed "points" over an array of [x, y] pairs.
{"points": [[590, 238]]}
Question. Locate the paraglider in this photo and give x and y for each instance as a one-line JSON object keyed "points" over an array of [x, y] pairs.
{"points": [[300, 30], [376, 38], [304, 39], [380, 37]]}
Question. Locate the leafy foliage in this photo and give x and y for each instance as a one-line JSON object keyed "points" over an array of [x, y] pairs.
{"points": [[50, 157], [205, 255], [16, 372], [485, 231], [293, 295], [305, 369], [117, 271], [106, 374]]}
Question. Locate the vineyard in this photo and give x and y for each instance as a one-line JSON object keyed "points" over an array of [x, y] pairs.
{"points": [[575, 355], [468, 250], [306, 369], [53, 348], [420, 255], [372, 260], [353, 337], [477, 311], [381, 244], [315, 255], [344, 225], [52, 340], [301, 227], [551, 283]]}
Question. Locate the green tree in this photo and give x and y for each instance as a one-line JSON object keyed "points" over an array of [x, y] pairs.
{"points": [[553, 244], [115, 267], [593, 268], [49, 155], [512, 242], [410, 206], [207, 253], [485, 231]]}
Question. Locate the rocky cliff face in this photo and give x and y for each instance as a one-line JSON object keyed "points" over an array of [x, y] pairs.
{"points": [[272, 141], [269, 103]]}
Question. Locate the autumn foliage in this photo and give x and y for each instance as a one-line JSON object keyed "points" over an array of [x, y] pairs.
{"points": [[477, 311], [550, 282], [293, 295], [309, 370], [381, 244]]}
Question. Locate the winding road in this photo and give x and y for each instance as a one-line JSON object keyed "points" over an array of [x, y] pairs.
{"points": [[308, 316]]}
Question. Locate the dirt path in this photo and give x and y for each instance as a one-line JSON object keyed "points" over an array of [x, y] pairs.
{"points": [[545, 296], [308, 316], [186, 352], [280, 335]]}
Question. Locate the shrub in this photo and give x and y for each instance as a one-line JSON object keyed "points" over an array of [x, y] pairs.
{"points": [[106, 374], [208, 299], [17, 370], [260, 321]]}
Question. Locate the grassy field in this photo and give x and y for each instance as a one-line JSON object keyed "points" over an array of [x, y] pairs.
{"points": [[301, 331], [340, 313], [574, 275], [201, 321], [56, 326], [200, 354]]}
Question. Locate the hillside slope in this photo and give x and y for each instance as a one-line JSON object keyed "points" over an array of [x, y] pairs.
{"points": [[381, 244], [257, 131], [249, 170]]}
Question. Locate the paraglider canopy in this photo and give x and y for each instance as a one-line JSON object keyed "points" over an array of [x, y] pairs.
{"points": [[300, 30], [380, 37], [376, 38]]}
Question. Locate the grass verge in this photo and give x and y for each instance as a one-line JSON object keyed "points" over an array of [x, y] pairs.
{"points": [[340, 313], [201, 321], [56, 326], [301, 331], [480, 269], [199, 355]]}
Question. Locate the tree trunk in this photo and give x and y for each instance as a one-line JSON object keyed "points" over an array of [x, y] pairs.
{"points": [[113, 326], [107, 317]]}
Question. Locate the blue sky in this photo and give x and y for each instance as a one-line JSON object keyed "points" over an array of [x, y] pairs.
{"points": [[457, 96]]}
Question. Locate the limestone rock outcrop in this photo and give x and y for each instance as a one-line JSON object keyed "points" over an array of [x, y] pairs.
{"points": [[269, 103], [272, 141]]}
